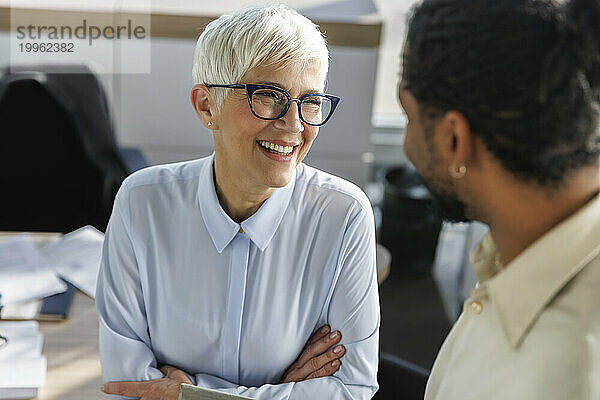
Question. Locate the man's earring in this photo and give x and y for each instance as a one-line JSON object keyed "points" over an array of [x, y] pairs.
{"points": [[462, 171], [209, 124]]}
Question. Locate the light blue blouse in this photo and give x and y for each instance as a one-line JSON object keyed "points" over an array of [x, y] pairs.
{"points": [[233, 304]]}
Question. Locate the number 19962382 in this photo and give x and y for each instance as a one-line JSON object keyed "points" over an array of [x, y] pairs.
{"points": [[46, 47]]}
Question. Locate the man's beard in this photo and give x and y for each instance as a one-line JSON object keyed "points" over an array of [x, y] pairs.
{"points": [[446, 205]]}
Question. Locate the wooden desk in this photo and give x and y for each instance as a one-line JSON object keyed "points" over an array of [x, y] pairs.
{"points": [[71, 347]]}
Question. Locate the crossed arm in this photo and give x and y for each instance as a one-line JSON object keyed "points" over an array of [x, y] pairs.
{"points": [[315, 361]]}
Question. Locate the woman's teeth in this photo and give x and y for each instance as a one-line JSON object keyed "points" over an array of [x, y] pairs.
{"points": [[275, 148]]}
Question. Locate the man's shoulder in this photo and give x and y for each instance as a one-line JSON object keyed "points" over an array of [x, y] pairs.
{"points": [[567, 335], [582, 296]]}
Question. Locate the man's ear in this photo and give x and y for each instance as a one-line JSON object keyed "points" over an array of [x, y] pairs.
{"points": [[203, 103], [455, 139]]}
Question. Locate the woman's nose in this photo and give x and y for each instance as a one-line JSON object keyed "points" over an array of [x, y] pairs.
{"points": [[291, 120]]}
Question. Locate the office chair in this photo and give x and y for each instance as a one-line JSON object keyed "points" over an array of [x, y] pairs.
{"points": [[60, 164]]}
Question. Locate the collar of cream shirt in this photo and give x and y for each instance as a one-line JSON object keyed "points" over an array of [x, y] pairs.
{"points": [[522, 290], [260, 227]]}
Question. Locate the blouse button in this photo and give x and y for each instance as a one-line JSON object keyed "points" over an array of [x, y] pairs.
{"points": [[477, 307]]}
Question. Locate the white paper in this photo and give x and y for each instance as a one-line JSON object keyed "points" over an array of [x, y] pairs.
{"points": [[18, 393], [23, 373], [190, 392], [24, 275], [76, 257], [20, 327], [22, 365], [24, 341], [25, 310]]}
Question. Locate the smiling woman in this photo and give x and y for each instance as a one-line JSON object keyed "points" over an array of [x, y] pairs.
{"points": [[239, 125], [246, 271]]}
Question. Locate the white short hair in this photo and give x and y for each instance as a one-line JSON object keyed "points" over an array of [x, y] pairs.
{"points": [[233, 44]]}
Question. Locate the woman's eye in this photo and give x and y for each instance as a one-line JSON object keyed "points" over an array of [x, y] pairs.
{"points": [[271, 94]]}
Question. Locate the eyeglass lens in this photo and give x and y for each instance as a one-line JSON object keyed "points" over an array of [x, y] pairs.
{"points": [[269, 103]]}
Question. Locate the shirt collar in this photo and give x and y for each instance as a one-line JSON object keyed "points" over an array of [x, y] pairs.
{"points": [[260, 227], [522, 290], [263, 224]]}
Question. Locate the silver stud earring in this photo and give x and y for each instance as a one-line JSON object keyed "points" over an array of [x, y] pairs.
{"points": [[209, 124]]}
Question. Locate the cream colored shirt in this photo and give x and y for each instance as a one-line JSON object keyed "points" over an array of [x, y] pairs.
{"points": [[531, 330]]}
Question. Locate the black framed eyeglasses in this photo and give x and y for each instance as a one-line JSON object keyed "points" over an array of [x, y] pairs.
{"points": [[270, 102]]}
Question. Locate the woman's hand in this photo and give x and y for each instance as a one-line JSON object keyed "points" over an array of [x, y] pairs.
{"points": [[174, 373], [315, 361], [166, 388]]}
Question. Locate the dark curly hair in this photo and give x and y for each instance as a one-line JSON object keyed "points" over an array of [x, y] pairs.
{"points": [[525, 74]]}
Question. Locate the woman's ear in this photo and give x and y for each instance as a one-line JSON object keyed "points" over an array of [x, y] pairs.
{"points": [[203, 103]]}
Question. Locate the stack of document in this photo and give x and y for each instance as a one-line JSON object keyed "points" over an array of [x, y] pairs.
{"points": [[24, 274], [76, 258], [39, 282], [22, 365]]}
